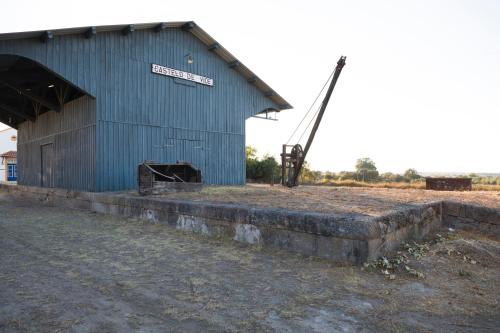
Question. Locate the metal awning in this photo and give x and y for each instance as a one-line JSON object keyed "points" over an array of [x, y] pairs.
{"points": [[28, 89]]}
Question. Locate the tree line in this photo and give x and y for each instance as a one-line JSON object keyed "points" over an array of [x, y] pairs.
{"points": [[267, 170]]}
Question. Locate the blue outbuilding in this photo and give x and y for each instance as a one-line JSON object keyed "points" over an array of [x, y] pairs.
{"points": [[92, 103]]}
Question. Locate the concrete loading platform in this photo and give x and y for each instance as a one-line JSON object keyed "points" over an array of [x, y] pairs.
{"points": [[341, 224]]}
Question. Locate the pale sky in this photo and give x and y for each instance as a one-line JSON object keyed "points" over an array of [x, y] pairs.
{"points": [[421, 87]]}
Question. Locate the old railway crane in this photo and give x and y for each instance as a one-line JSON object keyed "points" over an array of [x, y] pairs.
{"points": [[293, 156]]}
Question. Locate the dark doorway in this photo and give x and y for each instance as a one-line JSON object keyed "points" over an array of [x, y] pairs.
{"points": [[47, 179]]}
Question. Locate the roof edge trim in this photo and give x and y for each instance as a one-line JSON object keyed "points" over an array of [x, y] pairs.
{"points": [[187, 26]]}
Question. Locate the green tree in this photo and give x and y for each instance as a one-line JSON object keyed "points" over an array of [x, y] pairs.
{"points": [[268, 170], [411, 175], [265, 170], [250, 152], [251, 162], [365, 163], [366, 169]]}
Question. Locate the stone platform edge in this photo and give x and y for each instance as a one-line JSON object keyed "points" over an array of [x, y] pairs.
{"points": [[340, 237]]}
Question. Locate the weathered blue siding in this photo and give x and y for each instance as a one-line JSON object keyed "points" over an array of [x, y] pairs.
{"points": [[72, 133], [166, 119], [143, 116]]}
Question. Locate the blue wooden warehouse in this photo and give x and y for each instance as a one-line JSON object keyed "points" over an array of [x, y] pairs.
{"points": [[92, 103]]}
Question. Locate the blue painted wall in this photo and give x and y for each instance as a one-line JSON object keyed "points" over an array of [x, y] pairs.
{"points": [[144, 116]]}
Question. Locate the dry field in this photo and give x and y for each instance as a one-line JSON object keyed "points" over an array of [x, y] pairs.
{"points": [[419, 185], [365, 201], [64, 270]]}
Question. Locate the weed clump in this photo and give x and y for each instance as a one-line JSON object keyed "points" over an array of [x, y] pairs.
{"points": [[400, 263]]}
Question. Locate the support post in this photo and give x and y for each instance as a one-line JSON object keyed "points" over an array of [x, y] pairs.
{"points": [[283, 165]]}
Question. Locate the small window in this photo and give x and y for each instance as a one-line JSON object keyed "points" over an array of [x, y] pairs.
{"points": [[11, 172], [13, 138]]}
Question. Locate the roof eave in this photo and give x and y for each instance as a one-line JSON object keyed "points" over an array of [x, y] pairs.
{"points": [[192, 27]]}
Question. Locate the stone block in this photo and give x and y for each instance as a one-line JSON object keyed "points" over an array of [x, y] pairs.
{"points": [[340, 237]]}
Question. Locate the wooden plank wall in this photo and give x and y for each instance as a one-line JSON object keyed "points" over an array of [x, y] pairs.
{"points": [[137, 115]]}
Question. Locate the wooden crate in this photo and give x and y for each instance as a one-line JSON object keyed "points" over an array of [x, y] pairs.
{"points": [[448, 184]]}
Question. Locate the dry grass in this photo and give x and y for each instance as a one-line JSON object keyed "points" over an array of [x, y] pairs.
{"points": [[485, 187], [67, 270], [330, 199], [398, 185], [354, 183]]}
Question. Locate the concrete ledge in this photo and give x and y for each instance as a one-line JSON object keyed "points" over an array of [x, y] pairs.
{"points": [[472, 217], [353, 238]]}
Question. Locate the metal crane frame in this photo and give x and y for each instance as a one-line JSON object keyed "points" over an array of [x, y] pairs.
{"points": [[292, 162]]}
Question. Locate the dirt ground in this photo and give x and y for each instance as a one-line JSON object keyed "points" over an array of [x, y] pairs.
{"points": [[365, 201], [72, 271]]}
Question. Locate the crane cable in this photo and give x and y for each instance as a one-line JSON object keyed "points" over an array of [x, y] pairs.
{"points": [[308, 111], [310, 122]]}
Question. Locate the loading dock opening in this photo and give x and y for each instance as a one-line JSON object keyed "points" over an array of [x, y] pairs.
{"points": [[158, 178], [132, 94]]}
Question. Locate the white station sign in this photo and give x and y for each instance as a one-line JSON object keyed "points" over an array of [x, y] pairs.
{"points": [[162, 70]]}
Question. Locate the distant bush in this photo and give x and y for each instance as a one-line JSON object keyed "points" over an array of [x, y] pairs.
{"points": [[391, 177], [486, 180], [265, 170], [347, 175]]}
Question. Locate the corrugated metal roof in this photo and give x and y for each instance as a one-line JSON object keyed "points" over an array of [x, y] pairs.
{"points": [[9, 154], [190, 26]]}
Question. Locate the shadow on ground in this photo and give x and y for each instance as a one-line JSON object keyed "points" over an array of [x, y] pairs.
{"points": [[68, 270]]}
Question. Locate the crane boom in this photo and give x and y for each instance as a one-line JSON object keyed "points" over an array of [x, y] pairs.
{"points": [[294, 160]]}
